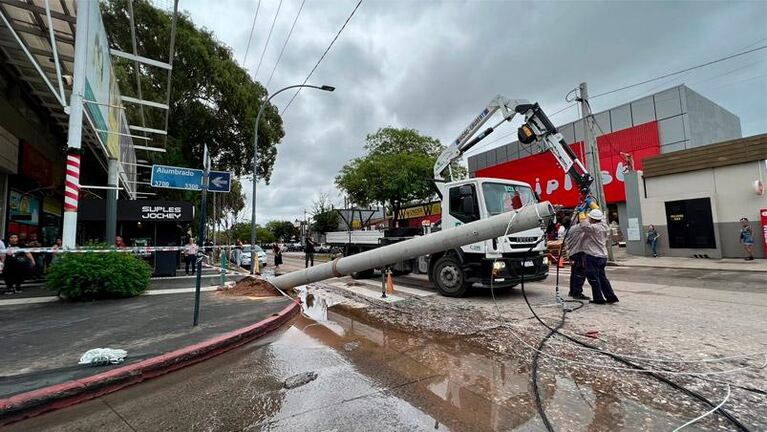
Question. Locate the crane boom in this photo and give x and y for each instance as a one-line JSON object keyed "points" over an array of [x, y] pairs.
{"points": [[537, 127]]}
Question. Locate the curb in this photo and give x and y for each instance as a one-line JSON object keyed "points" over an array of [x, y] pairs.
{"points": [[36, 402], [701, 267]]}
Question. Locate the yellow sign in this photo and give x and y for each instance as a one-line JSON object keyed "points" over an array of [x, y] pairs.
{"points": [[421, 211]]}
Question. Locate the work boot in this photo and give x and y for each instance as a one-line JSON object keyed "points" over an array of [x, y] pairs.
{"points": [[581, 297]]}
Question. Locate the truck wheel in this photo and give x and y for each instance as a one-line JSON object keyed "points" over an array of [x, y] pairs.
{"points": [[450, 277]]}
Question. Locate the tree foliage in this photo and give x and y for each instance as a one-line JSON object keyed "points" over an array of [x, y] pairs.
{"points": [[282, 230], [397, 169], [324, 216], [213, 100]]}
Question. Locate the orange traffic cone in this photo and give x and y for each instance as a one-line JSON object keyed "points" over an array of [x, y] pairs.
{"points": [[561, 262], [389, 283]]}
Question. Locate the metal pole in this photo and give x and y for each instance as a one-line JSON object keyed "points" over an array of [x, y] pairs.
{"points": [[527, 217], [253, 256], [592, 156], [74, 134], [111, 202], [201, 239]]}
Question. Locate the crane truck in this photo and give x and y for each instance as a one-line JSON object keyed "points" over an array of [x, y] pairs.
{"points": [[502, 261]]}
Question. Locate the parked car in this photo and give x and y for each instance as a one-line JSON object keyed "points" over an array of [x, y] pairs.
{"points": [[323, 248], [246, 256], [295, 247]]}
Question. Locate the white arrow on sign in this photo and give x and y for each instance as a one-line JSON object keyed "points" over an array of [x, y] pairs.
{"points": [[219, 182]]}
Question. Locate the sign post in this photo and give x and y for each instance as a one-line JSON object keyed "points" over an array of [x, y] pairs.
{"points": [[200, 234]]}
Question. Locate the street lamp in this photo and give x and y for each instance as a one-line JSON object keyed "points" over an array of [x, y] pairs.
{"points": [[253, 255]]}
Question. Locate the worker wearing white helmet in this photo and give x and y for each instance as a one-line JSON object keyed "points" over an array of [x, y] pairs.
{"points": [[595, 233]]}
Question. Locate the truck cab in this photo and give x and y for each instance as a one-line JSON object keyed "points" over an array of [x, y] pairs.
{"points": [[502, 262]]}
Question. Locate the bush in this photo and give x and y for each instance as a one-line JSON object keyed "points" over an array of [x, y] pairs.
{"points": [[94, 275]]}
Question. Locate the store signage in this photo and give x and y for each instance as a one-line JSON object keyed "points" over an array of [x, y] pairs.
{"points": [[552, 184], [35, 165], [160, 213], [171, 177], [23, 208], [763, 212]]}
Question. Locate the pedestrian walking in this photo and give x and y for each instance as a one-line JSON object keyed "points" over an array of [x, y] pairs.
{"points": [[238, 253], [577, 257], [747, 238], [16, 265], [277, 250], [652, 239], [190, 255], [37, 257], [595, 233], [308, 251]]}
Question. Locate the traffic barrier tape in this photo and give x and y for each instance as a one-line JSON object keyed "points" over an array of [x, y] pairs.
{"points": [[135, 249]]}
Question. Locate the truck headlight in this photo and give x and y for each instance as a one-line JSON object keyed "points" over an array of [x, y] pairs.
{"points": [[545, 260], [499, 265]]}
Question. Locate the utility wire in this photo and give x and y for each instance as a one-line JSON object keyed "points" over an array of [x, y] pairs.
{"points": [[679, 72], [323, 55], [250, 38], [266, 44], [285, 45]]}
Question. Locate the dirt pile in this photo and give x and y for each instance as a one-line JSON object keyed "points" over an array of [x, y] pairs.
{"points": [[251, 287]]}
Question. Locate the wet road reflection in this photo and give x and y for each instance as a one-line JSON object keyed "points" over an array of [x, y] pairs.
{"points": [[367, 378]]}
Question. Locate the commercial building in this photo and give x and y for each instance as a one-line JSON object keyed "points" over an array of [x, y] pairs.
{"points": [[668, 121], [696, 198]]}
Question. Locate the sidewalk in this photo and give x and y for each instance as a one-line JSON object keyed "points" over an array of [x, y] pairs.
{"points": [[43, 342], [725, 264]]}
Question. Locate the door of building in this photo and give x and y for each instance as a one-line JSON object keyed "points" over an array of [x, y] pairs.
{"points": [[690, 224]]}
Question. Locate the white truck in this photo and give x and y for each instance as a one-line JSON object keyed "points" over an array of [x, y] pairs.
{"points": [[505, 259]]}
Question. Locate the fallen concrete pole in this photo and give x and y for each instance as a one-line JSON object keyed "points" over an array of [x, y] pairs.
{"points": [[528, 217]]}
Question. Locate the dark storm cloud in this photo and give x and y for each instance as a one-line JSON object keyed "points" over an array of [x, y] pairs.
{"points": [[432, 66]]}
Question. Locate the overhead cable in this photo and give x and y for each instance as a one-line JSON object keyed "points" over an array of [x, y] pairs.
{"points": [[285, 45], [269, 36], [323, 55]]}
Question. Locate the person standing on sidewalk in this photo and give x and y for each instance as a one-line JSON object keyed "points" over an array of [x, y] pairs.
{"points": [[652, 239], [16, 265], [277, 250], [190, 255], [595, 233], [238, 253], [747, 238], [308, 251], [574, 247], [37, 257]]}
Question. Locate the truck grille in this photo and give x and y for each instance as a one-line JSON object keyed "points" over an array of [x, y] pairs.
{"points": [[523, 239]]}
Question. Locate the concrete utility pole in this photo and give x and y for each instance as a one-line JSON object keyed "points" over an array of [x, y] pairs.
{"points": [[527, 217], [592, 155]]}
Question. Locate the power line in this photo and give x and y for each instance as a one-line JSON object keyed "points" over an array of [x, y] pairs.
{"points": [[323, 55], [266, 44], [680, 71], [285, 45], [250, 38]]}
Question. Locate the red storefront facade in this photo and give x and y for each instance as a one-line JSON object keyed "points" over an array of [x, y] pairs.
{"points": [[542, 172]]}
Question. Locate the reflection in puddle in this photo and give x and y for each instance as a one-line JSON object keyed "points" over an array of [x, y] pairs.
{"points": [[464, 388]]}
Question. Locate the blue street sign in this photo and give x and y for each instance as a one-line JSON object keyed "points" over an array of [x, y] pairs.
{"points": [[176, 177], [219, 181]]}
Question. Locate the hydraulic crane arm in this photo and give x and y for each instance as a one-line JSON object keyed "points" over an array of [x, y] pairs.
{"points": [[537, 127]]}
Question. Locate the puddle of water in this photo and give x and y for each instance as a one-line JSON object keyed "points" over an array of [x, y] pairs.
{"points": [[465, 388]]}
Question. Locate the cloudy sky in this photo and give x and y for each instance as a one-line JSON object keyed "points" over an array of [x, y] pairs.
{"points": [[433, 65]]}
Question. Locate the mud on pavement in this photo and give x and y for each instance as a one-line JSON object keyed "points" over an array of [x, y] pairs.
{"points": [[579, 388]]}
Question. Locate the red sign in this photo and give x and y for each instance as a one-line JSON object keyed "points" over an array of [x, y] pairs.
{"points": [[553, 184], [763, 212]]}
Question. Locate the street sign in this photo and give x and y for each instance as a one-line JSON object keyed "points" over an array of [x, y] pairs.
{"points": [[171, 177], [219, 181]]}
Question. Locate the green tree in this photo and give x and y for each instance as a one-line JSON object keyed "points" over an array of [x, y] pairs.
{"points": [[397, 169], [213, 100], [324, 217], [284, 230]]}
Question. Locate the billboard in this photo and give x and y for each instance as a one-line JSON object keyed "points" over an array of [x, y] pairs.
{"points": [[23, 208], [542, 172], [101, 87]]}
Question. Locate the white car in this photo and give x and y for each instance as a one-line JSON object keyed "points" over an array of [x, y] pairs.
{"points": [[246, 257]]}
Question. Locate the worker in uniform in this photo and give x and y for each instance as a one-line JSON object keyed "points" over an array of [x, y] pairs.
{"points": [[576, 255], [595, 233]]}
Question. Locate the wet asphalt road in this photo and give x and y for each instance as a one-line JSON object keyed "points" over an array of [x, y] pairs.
{"points": [[367, 379]]}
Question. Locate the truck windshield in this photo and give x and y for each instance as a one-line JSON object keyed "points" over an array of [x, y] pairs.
{"points": [[500, 198]]}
